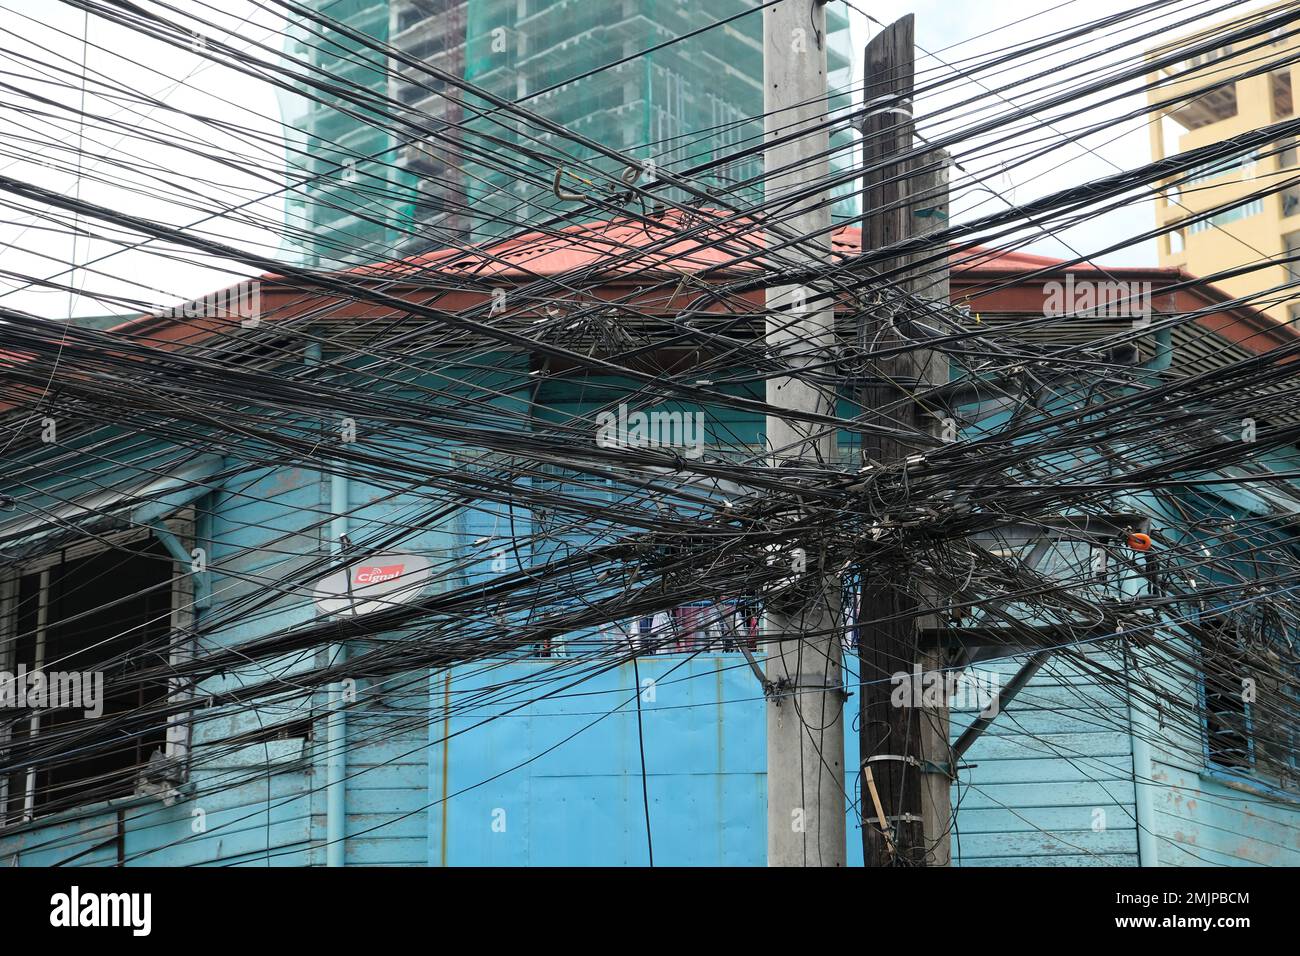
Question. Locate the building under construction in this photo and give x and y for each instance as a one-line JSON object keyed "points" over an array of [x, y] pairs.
{"points": [[694, 106]]}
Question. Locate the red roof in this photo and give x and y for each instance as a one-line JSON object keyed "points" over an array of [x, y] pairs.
{"points": [[586, 245], [691, 241], [714, 240]]}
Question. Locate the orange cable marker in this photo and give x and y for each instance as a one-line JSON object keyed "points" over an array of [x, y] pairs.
{"points": [[1138, 541]]}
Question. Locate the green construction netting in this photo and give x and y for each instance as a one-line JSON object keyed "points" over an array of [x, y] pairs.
{"points": [[677, 108]]}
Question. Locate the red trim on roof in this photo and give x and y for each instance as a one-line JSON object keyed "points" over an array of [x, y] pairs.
{"points": [[984, 279]]}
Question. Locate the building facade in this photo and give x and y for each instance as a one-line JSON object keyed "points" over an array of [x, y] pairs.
{"points": [[1227, 214], [524, 758]]}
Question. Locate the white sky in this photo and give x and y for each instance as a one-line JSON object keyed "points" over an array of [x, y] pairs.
{"points": [[231, 113], [50, 34]]}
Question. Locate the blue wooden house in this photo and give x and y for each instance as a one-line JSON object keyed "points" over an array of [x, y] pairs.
{"points": [[533, 757]]}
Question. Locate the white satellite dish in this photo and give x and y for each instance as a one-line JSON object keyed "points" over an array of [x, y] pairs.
{"points": [[375, 583]]}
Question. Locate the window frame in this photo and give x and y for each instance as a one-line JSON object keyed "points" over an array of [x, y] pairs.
{"points": [[1249, 772], [181, 621]]}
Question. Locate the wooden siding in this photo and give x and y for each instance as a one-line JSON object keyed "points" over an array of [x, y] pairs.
{"points": [[1051, 781]]}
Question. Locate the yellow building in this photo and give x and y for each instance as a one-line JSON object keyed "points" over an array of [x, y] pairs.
{"points": [[1205, 105]]}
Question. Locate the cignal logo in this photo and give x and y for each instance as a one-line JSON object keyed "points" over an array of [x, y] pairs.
{"points": [[1084, 298], [372, 574], [683, 430], [242, 302], [75, 909]]}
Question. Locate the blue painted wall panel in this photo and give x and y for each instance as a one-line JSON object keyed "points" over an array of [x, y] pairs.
{"points": [[580, 802], [1051, 779]]}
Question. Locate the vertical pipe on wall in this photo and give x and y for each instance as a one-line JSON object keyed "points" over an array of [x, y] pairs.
{"points": [[336, 727], [1141, 728], [1142, 731], [1142, 725]]}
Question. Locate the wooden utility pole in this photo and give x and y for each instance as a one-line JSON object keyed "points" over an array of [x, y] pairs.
{"points": [[929, 207], [805, 719], [905, 770]]}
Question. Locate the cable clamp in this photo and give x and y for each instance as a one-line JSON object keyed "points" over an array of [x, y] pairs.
{"points": [[906, 818], [860, 122], [904, 758], [784, 688]]}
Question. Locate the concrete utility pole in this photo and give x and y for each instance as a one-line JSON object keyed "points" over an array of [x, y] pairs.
{"points": [[805, 707], [904, 750]]}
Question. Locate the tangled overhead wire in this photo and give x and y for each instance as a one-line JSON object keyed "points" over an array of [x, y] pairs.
{"points": [[460, 391]]}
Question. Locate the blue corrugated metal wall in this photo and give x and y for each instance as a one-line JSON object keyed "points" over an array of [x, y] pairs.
{"points": [[558, 782]]}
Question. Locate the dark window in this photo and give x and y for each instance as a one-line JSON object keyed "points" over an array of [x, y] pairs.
{"points": [[1226, 725], [1251, 712], [1282, 105], [106, 612]]}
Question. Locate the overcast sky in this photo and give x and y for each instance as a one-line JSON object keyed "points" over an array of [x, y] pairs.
{"points": [[231, 113]]}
